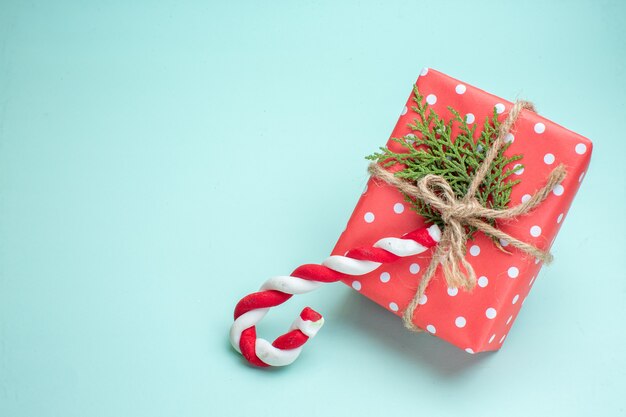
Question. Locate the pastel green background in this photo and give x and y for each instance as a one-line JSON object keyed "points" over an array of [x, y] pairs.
{"points": [[159, 160]]}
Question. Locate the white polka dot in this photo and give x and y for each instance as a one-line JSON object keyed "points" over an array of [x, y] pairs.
{"points": [[398, 208], [504, 243], [414, 268], [515, 298], [509, 138], [460, 321], [499, 108], [531, 281], [537, 260], [369, 217], [518, 169], [502, 340], [452, 291], [393, 306], [548, 158], [483, 281], [509, 319], [356, 285], [404, 110], [474, 250], [525, 198], [560, 218], [535, 231], [424, 71], [423, 299], [469, 118], [431, 329], [580, 179], [581, 148], [558, 189], [493, 336], [491, 313], [540, 128], [470, 350], [460, 89], [385, 277], [513, 272], [431, 99]]}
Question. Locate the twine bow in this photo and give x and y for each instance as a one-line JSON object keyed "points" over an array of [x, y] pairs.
{"points": [[458, 214]]}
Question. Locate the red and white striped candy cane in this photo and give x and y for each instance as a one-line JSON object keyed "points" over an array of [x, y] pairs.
{"points": [[275, 291]]}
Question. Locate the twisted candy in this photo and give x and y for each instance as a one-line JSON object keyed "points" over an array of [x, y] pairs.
{"points": [[305, 278]]}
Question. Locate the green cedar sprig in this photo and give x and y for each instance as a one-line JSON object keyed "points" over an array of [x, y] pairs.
{"points": [[432, 149]]}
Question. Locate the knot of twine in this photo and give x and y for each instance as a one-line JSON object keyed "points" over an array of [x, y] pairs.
{"points": [[458, 214]]}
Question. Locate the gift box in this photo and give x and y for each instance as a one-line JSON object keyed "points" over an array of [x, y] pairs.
{"points": [[476, 320]]}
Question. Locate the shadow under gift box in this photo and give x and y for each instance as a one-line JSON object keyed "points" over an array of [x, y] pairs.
{"points": [[480, 320]]}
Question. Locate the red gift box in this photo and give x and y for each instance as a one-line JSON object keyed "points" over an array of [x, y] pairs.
{"points": [[479, 320]]}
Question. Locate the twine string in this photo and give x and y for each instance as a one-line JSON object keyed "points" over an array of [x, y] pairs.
{"points": [[459, 214]]}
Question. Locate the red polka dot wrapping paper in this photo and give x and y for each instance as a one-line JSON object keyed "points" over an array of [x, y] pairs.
{"points": [[480, 320]]}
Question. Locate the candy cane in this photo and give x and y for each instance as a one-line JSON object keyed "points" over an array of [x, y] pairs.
{"points": [[275, 291]]}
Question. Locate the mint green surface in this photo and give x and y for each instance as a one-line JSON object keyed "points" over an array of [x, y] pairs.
{"points": [[160, 160]]}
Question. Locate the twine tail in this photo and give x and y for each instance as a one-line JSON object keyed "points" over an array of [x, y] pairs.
{"points": [[407, 316]]}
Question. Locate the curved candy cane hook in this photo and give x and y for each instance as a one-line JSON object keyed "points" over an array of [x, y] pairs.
{"points": [[275, 291]]}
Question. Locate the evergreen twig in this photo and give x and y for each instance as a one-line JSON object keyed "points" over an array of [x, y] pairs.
{"points": [[432, 149]]}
